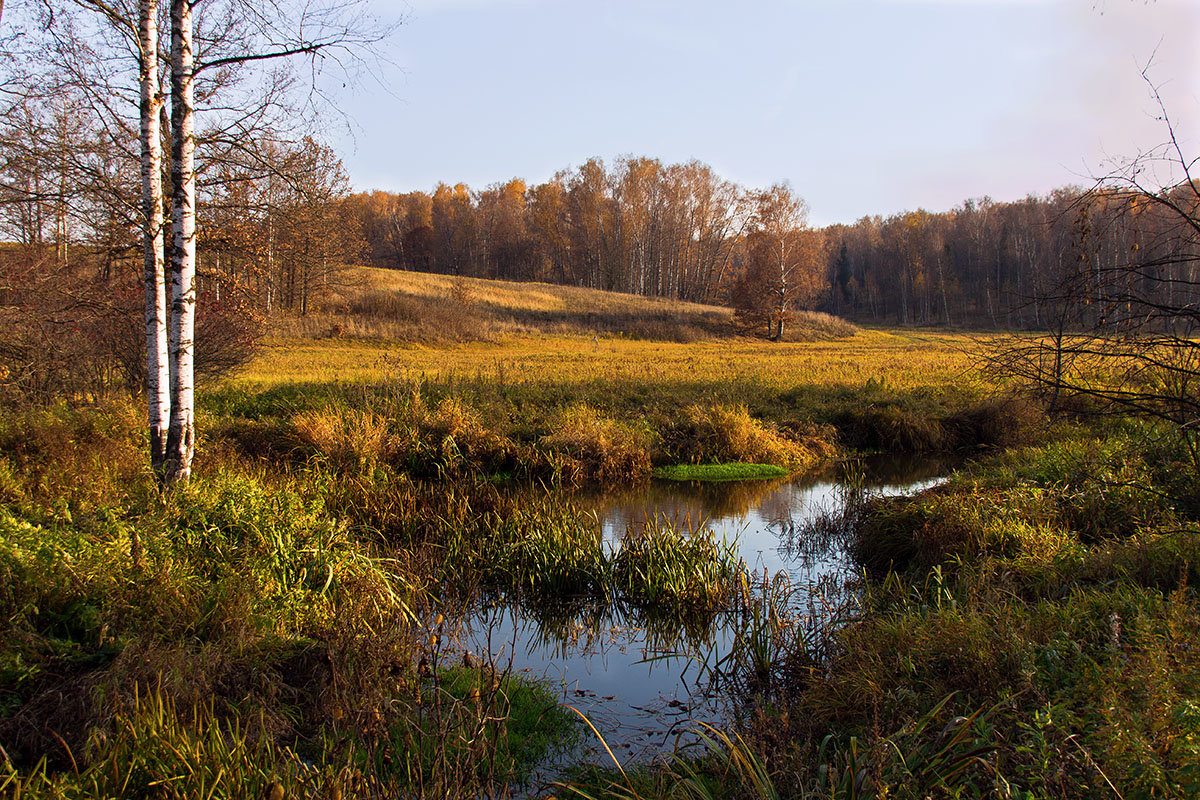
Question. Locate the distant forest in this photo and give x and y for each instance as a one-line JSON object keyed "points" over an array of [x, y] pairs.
{"points": [[278, 221], [681, 231]]}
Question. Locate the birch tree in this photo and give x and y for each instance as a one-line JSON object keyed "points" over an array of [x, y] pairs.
{"points": [[181, 431], [158, 368], [782, 266]]}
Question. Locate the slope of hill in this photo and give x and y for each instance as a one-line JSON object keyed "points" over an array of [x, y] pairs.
{"points": [[414, 306]]}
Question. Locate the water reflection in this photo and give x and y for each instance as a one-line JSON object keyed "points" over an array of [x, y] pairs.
{"points": [[640, 676], [582, 624], [637, 676], [759, 514]]}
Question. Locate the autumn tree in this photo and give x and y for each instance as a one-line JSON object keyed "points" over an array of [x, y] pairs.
{"points": [[317, 238], [547, 225], [782, 269], [456, 230], [504, 222]]}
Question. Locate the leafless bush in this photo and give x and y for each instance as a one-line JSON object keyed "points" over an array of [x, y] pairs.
{"points": [[72, 335], [1124, 334]]}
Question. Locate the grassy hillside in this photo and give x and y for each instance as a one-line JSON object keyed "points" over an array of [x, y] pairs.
{"points": [[392, 305]]}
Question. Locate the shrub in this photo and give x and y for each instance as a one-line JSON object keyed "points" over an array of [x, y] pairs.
{"points": [[890, 427], [995, 422], [58, 340]]}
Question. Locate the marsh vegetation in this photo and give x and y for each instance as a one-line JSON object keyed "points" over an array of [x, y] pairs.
{"points": [[399, 564]]}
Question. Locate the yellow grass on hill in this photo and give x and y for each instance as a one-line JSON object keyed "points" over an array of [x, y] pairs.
{"points": [[390, 305], [391, 325], [522, 297]]}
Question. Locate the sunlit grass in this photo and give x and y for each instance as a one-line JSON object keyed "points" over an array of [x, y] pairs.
{"points": [[901, 360], [519, 296]]}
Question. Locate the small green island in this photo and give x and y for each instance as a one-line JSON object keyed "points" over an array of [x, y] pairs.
{"points": [[734, 471]]}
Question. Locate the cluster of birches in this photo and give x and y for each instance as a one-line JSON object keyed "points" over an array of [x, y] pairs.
{"points": [[271, 219], [121, 121]]}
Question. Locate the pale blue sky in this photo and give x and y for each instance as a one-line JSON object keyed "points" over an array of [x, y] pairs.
{"points": [[865, 106]]}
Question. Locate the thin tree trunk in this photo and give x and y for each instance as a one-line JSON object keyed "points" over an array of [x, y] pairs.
{"points": [[942, 286], [181, 436], [158, 375]]}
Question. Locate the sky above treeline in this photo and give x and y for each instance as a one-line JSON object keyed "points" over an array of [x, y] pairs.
{"points": [[864, 106]]}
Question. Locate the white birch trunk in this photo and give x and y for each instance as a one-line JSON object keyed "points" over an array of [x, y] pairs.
{"points": [[181, 435], [158, 376]]}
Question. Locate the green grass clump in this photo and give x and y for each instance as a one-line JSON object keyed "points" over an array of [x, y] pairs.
{"points": [[551, 551], [546, 551], [527, 722], [720, 472], [662, 566], [268, 558]]}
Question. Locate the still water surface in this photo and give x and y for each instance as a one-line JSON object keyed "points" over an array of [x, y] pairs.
{"points": [[639, 680]]}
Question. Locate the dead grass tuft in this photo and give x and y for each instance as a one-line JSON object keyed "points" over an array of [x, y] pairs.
{"points": [[587, 447], [453, 436], [348, 437], [720, 434]]}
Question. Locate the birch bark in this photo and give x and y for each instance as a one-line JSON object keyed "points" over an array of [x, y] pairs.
{"points": [[158, 376], [181, 434]]}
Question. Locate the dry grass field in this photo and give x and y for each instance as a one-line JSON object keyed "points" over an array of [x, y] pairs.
{"points": [[389, 305], [897, 359], [395, 325]]}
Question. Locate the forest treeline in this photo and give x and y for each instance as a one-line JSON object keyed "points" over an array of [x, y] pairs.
{"points": [[682, 231], [278, 222], [271, 222]]}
